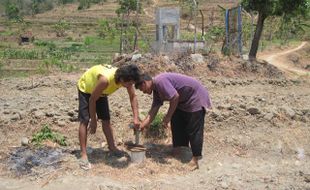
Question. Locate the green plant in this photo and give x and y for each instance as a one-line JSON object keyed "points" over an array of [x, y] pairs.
{"points": [[215, 34], [12, 11], [63, 2], [107, 29], [60, 27], [128, 6], [156, 130], [47, 134], [88, 40], [84, 4]]}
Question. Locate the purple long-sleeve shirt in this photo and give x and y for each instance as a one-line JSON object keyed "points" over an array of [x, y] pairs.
{"points": [[193, 96]]}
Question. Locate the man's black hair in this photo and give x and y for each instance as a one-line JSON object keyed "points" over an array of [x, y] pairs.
{"points": [[142, 78], [127, 73]]}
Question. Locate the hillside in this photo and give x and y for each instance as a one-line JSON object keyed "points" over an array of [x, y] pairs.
{"points": [[80, 46]]}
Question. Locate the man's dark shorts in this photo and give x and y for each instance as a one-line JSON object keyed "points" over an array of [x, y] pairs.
{"points": [[102, 108]]}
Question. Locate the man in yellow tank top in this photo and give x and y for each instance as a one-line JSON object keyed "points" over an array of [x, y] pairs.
{"points": [[94, 87]]}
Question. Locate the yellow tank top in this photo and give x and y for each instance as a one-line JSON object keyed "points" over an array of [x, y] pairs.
{"points": [[88, 81]]}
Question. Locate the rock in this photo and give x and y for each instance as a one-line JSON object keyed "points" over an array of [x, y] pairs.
{"points": [[216, 115], [253, 111], [289, 111], [61, 123], [197, 58], [71, 113], [242, 106], [224, 185], [136, 57], [305, 112], [22, 114], [33, 109], [245, 57], [74, 119], [15, 117], [6, 112], [300, 153], [269, 116], [307, 178], [24, 141], [38, 114], [49, 114]]}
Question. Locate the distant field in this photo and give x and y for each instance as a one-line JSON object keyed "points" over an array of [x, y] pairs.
{"points": [[80, 46]]}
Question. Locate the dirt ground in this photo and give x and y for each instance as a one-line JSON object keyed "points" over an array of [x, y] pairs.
{"points": [[256, 136]]}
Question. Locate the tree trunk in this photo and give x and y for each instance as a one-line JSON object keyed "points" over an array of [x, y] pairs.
{"points": [[257, 35], [203, 23]]}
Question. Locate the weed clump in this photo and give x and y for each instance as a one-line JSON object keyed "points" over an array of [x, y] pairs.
{"points": [[47, 134]]}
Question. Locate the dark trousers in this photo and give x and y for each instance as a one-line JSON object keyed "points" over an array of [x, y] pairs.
{"points": [[187, 128]]}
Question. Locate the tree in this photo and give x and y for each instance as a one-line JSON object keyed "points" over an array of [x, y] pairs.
{"points": [[128, 6], [11, 11], [34, 7], [84, 4], [267, 8]]}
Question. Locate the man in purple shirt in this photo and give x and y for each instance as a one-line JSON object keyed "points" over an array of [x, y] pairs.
{"points": [[188, 102]]}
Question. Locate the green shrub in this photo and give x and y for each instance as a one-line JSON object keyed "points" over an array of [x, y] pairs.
{"points": [[63, 2], [47, 134], [12, 11], [88, 40], [107, 30], [156, 130], [84, 4], [61, 27], [215, 34]]}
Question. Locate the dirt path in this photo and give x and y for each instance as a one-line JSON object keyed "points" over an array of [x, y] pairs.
{"points": [[279, 60]]}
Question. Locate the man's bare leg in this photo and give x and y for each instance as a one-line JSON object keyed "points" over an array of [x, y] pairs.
{"points": [[83, 139], [108, 132]]}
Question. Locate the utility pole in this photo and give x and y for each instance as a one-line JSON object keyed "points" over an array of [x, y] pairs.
{"points": [[195, 15]]}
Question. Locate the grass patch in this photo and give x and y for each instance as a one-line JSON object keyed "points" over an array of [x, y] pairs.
{"points": [[47, 134]]}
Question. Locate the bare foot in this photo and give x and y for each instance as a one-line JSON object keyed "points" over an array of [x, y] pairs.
{"points": [[193, 165]]}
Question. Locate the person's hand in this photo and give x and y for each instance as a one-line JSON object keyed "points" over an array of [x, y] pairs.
{"points": [[141, 127], [136, 124], [165, 122], [92, 126]]}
